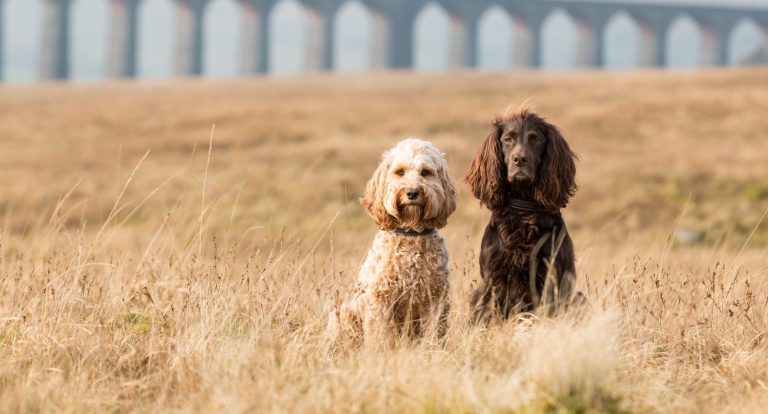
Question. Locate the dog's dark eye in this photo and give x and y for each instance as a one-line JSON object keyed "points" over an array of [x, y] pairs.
{"points": [[509, 138], [400, 172], [535, 139], [426, 173]]}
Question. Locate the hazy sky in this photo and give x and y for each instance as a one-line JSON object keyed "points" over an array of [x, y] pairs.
{"points": [[91, 26]]}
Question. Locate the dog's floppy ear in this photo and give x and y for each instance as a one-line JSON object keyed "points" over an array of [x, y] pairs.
{"points": [[375, 193], [449, 196], [486, 174], [557, 177]]}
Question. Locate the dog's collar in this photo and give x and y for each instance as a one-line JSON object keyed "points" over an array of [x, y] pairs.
{"points": [[410, 232], [528, 206]]}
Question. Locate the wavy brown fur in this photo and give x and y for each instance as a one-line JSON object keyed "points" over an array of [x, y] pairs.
{"points": [[511, 234]]}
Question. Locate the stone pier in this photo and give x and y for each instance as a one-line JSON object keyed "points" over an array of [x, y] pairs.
{"points": [[255, 44], [54, 62], [2, 42], [123, 60], [189, 36]]}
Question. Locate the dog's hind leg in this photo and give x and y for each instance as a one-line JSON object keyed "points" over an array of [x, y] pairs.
{"points": [[345, 324]]}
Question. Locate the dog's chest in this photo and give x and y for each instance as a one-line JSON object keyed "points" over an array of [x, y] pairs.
{"points": [[402, 263], [518, 234]]}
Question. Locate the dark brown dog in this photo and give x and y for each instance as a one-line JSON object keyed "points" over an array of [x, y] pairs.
{"points": [[524, 173]]}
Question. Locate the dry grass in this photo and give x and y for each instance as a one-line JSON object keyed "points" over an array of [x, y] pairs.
{"points": [[117, 294]]}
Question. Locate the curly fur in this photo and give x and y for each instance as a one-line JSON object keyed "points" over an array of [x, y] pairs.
{"points": [[511, 235], [402, 287]]}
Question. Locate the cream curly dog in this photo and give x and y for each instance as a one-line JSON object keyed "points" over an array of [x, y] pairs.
{"points": [[402, 287]]}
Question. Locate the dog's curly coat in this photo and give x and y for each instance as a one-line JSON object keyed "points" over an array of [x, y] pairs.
{"points": [[402, 286]]}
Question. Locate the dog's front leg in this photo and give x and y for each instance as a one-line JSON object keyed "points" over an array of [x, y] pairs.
{"points": [[378, 327], [480, 303], [437, 321]]}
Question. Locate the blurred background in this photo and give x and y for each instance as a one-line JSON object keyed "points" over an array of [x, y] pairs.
{"points": [[91, 40], [175, 243], [242, 64]]}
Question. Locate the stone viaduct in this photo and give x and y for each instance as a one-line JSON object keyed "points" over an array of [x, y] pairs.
{"points": [[393, 32]]}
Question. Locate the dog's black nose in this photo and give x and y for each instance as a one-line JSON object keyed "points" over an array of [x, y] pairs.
{"points": [[412, 193], [520, 159]]}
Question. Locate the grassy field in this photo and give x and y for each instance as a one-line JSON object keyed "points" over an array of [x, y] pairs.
{"points": [[152, 262]]}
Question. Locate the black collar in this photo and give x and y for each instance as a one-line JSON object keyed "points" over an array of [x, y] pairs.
{"points": [[528, 206], [410, 232]]}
